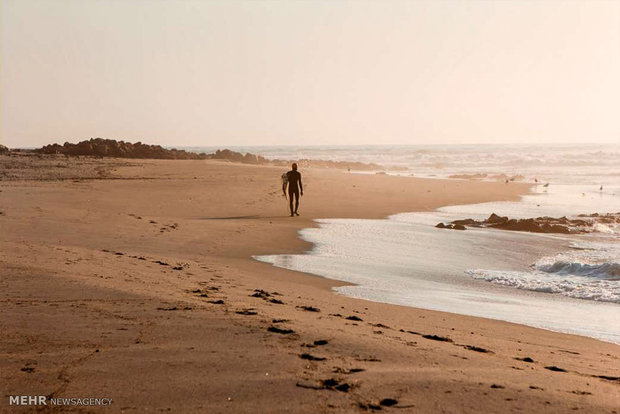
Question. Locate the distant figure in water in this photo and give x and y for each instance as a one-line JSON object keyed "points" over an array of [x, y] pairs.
{"points": [[295, 188], [601, 189]]}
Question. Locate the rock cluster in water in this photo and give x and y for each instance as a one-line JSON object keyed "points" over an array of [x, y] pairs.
{"points": [[584, 223]]}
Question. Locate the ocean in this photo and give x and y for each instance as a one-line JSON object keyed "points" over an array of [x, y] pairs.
{"points": [[567, 283]]}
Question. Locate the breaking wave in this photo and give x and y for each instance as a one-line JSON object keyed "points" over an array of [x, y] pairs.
{"points": [[562, 275], [605, 271], [603, 291]]}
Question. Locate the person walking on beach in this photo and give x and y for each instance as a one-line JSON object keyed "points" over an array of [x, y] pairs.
{"points": [[295, 189]]}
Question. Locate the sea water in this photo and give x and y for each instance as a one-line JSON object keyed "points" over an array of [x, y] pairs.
{"points": [[567, 283]]}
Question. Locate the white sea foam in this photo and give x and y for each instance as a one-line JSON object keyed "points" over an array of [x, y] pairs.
{"points": [[589, 270], [578, 287]]}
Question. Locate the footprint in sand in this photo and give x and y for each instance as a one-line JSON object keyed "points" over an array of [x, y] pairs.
{"points": [[327, 384], [311, 357], [607, 377], [354, 318], [279, 320], [281, 331], [308, 308], [174, 308], [339, 370], [199, 293], [437, 338], [248, 311], [266, 296], [386, 402], [476, 349]]}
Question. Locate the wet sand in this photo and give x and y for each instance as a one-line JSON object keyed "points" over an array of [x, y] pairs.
{"points": [[133, 280]]}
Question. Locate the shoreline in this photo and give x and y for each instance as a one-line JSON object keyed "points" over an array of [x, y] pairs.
{"points": [[87, 254], [494, 290]]}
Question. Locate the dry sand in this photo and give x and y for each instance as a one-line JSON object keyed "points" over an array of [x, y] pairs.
{"points": [[133, 280]]}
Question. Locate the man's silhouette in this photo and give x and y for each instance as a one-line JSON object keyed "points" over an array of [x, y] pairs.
{"points": [[294, 188]]}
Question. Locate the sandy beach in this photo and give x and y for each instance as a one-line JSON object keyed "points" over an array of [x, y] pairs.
{"points": [[134, 280]]}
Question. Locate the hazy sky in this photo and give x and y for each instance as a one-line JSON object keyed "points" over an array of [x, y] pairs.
{"points": [[309, 72]]}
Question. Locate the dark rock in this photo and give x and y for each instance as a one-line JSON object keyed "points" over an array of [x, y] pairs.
{"points": [[545, 224], [99, 147], [495, 219], [466, 222]]}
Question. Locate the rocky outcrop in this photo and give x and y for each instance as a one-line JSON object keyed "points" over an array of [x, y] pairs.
{"points": [[581, 224], [3, 149], [451, 226], [233, 156], [99, 147]]}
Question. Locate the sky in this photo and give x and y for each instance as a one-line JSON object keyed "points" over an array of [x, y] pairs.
{"points": [[230, 73]]}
